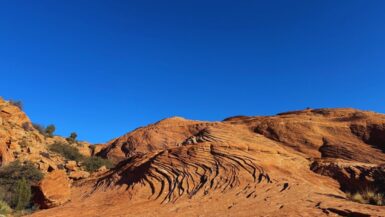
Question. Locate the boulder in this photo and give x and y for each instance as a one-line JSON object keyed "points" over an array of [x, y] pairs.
{"points": [[76, 175], [84, 148], [71, 166], [53, 190], [46, 165]]}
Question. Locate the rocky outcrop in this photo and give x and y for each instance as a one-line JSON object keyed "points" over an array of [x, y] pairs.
{"points": [[352, 176], [297, 163], [53, 190], [164, 134], [19, 140], [325, 133], [76, 175], [12, 133], [71, 166]]}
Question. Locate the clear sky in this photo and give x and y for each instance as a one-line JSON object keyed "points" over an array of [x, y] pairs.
{"points": [[103, 68]]}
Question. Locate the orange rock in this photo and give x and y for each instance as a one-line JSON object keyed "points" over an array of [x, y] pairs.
{"points": [[53, 190], [19, 140], [292, 164], [71, 166], [79, 175]]}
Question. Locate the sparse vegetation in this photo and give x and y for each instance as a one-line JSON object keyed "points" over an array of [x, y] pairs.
{"points": [[72, 137], [4, 208], [39, 128], [93, 163], [368, 197], [23, 194], [50, 130], [46, 131], [16, 103], [16, 170], [67, 151], [15, 185]]}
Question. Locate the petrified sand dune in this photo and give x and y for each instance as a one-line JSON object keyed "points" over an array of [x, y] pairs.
{"points": [[164, 134], [335, 133], [293, 164]]}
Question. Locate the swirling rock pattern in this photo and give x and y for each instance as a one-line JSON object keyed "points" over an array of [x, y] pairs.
{"points": [[292, 164], [188, 171]]}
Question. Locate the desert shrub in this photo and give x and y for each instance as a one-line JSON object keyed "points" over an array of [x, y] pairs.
{"points": [[15, 183], [93, 163], [16, 103], [72, 137], [39, 128], [4, 208], [22, 198], [16, 170], [27, 126], [67, 151], [45, 154], [50, 130], [368, 197]]}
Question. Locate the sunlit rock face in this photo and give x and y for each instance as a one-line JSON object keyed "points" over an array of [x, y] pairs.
{"points": [[298, 163]]}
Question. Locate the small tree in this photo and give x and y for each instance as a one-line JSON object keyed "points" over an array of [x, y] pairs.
{"points": [[17, 170], [93, 163], [50, 130], [39, 128], [72, 137], [13, 189], [23, 194]]}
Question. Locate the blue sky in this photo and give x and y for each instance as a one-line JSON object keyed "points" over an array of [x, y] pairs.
{"points": [[103, 68]]}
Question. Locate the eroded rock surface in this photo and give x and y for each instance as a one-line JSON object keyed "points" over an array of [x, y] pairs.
{"points": [[53, 190], [293, 164], [19, 140]]}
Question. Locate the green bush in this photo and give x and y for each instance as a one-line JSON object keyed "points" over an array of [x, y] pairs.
{"points": [[23, 195], [72, 137], [39, 128], [4, 208], [50, 130], [93, 163], [16, 171], [15, 183], [67, 151]]}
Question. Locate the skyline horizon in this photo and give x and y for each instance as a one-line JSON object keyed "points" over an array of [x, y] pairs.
{"points": [[103, 68], [169, 117]]}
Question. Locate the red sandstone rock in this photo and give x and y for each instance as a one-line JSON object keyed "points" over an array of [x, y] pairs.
{"points": [[292, 164], [53, 190]]}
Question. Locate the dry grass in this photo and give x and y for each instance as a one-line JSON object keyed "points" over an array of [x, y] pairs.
{"points": [[368, 197]]}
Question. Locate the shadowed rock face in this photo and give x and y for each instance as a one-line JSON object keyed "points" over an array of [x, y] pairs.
{"points": [[334, 133], [352, 176], [293, 164], [53, 190]]}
